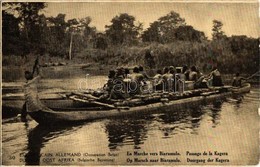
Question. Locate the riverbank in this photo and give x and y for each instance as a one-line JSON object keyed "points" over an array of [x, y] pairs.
{"points": [[204, 55], [14, 73]]}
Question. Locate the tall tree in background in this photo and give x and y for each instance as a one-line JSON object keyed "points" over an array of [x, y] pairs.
{"points": [[123, 29], [11, 34], [163, 30], [169, 24], [152, 34], [217, 32], [88, 31], [188, 33], [100, 41], [28, 15], [56, 37]]}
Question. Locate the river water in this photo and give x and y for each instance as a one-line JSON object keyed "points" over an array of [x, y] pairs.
{"points": [[224, 132]]}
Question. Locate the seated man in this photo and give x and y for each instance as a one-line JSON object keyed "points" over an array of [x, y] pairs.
{"points": [[198, 78], [168, 79], [193, 75], [136, 81], [216, 77], [119, 87], [109, 85], [157, 80], [237, 80], [141, 71]]}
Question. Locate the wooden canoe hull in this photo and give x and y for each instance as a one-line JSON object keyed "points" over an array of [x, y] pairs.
{"points": [[11, 108], [64, 117], [245, 89], [46, 116]]}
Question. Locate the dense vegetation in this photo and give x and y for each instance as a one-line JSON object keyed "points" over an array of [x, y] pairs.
{"points": [[167, 41]]}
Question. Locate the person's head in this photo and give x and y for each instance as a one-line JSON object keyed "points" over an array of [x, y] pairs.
{"points": [[159, 71], [193, 68], [28, 75], [119, 72], [184, 68], [136, 70], [141, 68], [237, 74], [171, 71], [178, 70], [165, 70], [214, 68], [111, 74], [127, 71], [171, 68]]}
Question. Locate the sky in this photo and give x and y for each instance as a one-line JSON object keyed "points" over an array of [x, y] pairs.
{"points": [[237, 18]]}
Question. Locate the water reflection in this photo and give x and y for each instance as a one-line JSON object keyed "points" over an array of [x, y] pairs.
{"points": [[37, 138], [196, 116], [132, 131], [180, 120], [215, 112]]}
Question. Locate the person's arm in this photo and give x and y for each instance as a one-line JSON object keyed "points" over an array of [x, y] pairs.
{"points": [[146, 76], [210, 75], [234, 82], [36, 68]]}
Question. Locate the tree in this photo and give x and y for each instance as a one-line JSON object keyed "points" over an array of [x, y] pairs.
{"points": [[11, 34], [188, 33], [217, 32], [28, 15], [58, 26], [163, 30], [152, 33], [88, 32], [100, 41], [56, 36], [123, 29], [169, 24], [246, 51]]}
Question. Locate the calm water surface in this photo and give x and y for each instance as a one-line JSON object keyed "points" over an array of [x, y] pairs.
{"points": [[230, 126]]}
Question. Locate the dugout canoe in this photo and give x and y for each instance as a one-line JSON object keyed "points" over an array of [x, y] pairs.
{"points": [[13, 103], [240, 90], [46, 116]]}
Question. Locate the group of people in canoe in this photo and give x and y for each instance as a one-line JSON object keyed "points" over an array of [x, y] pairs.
{"points": [[125, 82]]}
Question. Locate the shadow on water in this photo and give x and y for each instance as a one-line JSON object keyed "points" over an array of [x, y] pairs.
{"points": [[37, 137], [131, 131], [215, 110], [182, 119], [196, 116]]}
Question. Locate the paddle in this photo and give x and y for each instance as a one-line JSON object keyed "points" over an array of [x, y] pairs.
{"points": [[94, 102], [89, 96], [252, 75], [92, 99], [36, 62]]}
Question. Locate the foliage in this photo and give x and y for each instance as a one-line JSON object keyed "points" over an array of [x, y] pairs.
{"points": [[217, 32], [11, 34], [188, 33], [167, 41], [123, 29], [163, 30]]}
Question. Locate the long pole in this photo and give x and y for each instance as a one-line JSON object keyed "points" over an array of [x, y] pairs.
{"points": [[253, 75], [71, 38]]}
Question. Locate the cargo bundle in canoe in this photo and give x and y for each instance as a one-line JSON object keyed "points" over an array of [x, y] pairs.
{"points": [[91, 108]]}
